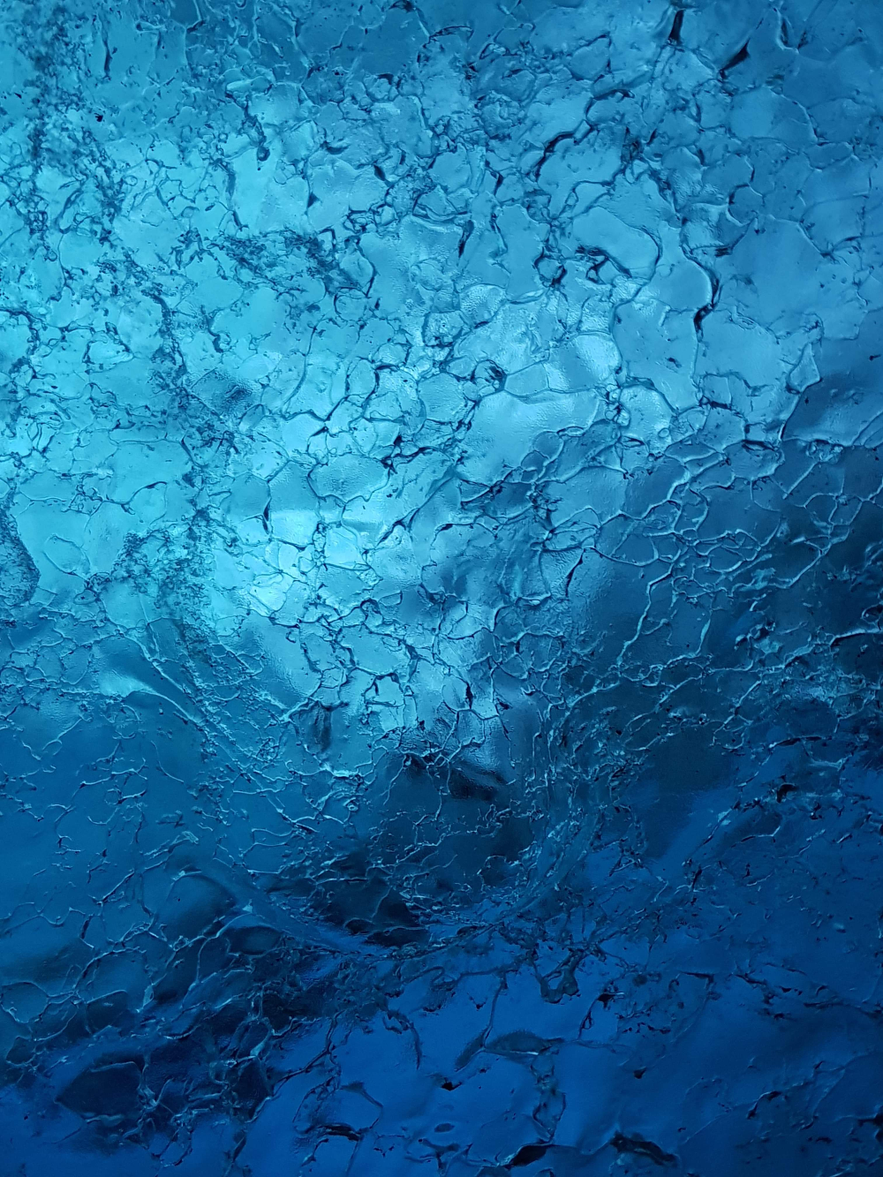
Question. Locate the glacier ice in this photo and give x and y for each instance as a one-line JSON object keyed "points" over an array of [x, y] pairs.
{"points": [[441, 522]]}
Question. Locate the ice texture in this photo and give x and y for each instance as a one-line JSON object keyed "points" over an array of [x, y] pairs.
{"points": [[441, 553]]}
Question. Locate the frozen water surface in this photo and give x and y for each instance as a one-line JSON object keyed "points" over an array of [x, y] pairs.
{"points": [[441, 553]]}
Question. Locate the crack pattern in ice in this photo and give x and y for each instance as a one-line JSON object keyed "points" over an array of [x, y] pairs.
{"points": [[441, 524]]}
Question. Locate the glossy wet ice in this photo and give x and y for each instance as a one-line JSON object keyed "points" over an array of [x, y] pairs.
{"points": [[439, 573]]}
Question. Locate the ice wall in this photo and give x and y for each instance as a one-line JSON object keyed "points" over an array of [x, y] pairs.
{"points": [[440, 588]]}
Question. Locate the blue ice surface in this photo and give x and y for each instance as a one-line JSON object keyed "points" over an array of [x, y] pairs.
{"points": [[441, 552]]}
